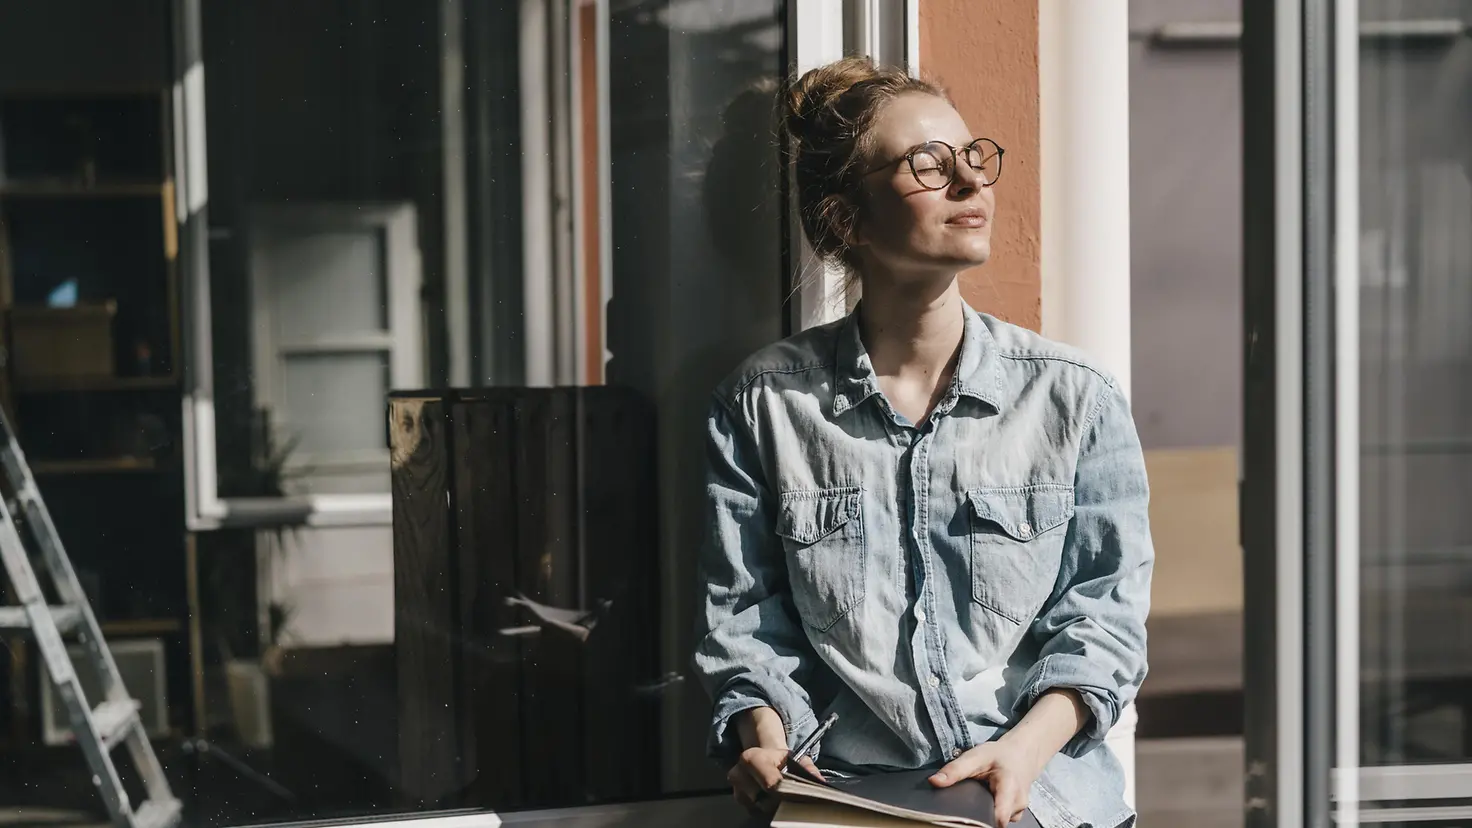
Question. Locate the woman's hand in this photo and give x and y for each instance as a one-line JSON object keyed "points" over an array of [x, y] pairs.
{"points": [[760, 767], [757, 773], [1008, 768], [1012, 763]]}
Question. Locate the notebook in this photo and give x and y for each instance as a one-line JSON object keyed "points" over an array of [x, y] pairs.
{"points": [[886, 800]]}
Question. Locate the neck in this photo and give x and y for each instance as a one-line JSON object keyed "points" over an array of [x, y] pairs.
{"points": [[911, 330]]}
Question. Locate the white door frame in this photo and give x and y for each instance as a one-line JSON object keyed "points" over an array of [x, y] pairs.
{"points": [[402, 341], [1300, 502]]}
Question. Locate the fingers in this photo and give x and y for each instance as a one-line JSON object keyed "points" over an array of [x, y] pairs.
{"points": [[806, 762], [1010, 799], [974, 762], [764, 767], [743, 787], [758, 771]]}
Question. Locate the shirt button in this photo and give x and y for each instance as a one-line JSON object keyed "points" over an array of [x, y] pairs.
{"points": [[934, 680], [955, 753], [920, 615], [1024, 530]]}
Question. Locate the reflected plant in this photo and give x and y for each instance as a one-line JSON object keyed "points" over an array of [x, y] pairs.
{"points": [[230, 610]]}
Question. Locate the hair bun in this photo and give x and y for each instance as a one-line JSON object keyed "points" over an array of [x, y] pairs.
{"points": [[813, 98]]}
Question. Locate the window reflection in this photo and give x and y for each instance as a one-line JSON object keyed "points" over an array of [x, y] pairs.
{"points": [[581, 233]]}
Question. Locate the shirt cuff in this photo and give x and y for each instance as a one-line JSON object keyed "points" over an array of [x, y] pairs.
{"points": [[1073, 672], [745, 693]]}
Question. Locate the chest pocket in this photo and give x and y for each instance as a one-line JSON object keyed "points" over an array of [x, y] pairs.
{"points": [[1016, 546], [823, 534]]}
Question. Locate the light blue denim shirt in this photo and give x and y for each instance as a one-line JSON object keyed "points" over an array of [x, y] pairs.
{"points": [[927, 583]]}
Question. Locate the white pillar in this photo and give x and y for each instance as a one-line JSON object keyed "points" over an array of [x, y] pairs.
{"points": [[1083, 75], [1084, 82]]}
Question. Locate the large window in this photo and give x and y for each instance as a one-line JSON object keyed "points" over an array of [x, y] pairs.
{"points": [[247, 248], [1415, 401]]}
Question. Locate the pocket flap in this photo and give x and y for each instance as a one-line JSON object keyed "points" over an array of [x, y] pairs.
{"points": [[807, 517], [1024, 513]]}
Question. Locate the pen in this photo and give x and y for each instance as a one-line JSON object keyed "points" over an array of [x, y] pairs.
{"points": [[808, 743]]}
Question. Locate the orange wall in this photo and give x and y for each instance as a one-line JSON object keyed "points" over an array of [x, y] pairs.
{"points": [[986, 55]]}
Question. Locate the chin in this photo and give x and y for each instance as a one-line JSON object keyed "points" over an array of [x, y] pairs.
{"points": [[973, 255]]}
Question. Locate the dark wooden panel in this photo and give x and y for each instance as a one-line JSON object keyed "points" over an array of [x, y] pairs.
{"points": [[621, 692], [486, 515], [424, 602], [552, 495], [546, 480]]}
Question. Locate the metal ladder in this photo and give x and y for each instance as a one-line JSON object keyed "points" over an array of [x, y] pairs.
{"points": [[115, 721]]}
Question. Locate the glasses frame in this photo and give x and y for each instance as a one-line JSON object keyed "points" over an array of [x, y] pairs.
{"points": [[909, 158]]}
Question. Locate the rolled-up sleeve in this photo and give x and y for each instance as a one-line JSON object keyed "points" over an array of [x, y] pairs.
{"points": [[752, 651], [1091, 632]]}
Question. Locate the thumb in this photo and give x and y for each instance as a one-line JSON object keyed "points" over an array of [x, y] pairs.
{"points": [[972, 763]]}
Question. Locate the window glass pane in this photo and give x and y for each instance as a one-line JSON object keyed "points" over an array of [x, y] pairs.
{"points": [[1415, 382], [389, 597], [332, 403], [307, 271], [1186, 391]]}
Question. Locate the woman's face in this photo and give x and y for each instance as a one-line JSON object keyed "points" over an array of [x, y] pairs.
{"points": [[905, 228]]}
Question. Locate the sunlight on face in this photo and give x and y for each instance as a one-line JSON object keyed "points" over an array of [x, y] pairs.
{"points": [[906, 231]]}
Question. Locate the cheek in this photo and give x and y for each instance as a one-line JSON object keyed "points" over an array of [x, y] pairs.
{"points": [[890, 219], [927, 216], [914, 221]]}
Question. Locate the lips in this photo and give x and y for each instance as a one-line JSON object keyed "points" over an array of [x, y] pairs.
{"points": [[970, 218]]}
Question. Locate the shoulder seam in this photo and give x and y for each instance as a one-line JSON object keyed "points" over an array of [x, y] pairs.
{"points": [[742, 386], [1104, 393], [1022, 355]]}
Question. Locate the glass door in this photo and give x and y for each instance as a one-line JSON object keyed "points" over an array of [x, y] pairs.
{"points": [[1358, 423], [1415, 410]]}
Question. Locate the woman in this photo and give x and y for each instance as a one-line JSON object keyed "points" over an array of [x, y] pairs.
{"points": [[923, 519]]}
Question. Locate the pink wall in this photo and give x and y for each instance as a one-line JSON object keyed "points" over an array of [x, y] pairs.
{"points": [[986, 55]]}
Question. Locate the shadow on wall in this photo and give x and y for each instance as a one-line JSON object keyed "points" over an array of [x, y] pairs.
{"points": [[741, 190]]}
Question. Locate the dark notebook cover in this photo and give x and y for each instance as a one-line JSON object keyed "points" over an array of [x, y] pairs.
{"points": [[910, 791]]}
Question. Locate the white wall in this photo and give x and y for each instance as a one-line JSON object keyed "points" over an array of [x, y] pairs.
{"points": [[337, 583]]}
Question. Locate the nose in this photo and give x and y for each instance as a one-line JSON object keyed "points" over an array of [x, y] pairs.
{"points": [[965, 181]]}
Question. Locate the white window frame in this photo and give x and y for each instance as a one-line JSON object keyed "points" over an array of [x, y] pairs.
{"points": [[819, 32], [815, 36], [1303, 234]]}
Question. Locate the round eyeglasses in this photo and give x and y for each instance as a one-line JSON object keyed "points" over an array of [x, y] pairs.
{"points": [[933, 163]]}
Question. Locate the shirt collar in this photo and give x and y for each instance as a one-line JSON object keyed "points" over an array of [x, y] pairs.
{"points": [[978, 371]]}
